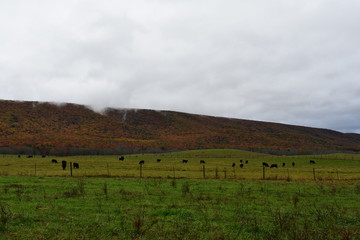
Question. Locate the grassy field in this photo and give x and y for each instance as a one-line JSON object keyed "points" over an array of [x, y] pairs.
{"points": [[118, 208], [218, 165], [107, 199]]}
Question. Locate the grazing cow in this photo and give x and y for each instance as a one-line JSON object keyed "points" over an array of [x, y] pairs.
{"points": [[293, 164], [283, 164], [19, 156], [312, 162], [43, 156], [63, 164], [233, 165], [246, 162], [273, 166], [142, 162], [265, 164], [75, 165], [29, 156], [185, 161], [54, 161], [241, 160], [158, 160], [121, 158], [202, 162], [241, 165]]}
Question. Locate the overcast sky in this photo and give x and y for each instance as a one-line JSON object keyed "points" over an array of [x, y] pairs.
{"points": [[287, 61]]}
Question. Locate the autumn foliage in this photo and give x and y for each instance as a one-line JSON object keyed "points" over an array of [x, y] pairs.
{"points": [[48, 126]]}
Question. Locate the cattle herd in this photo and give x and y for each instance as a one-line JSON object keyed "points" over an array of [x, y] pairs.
{"points": [[141, 162], [242, 163], [64, 164]]}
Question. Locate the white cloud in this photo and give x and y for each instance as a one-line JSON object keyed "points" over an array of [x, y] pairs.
{"points": [[281, 61]]}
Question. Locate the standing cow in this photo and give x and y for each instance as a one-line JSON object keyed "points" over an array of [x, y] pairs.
{"points": [[273, 166], [63, 164]]}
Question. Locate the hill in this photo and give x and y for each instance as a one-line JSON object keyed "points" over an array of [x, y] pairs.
{"points": [[76, 129]]}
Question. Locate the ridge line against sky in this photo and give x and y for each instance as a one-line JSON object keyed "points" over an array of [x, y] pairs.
{"points": [[292, 62]]}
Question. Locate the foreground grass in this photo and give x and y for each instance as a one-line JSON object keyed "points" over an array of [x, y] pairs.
{"points": [[116, 208]]}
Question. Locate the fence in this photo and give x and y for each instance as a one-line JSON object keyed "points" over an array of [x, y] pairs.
{"points": [[219, 168]]}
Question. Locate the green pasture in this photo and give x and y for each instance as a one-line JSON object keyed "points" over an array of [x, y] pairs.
{"points": [[218, 165], [158, 208], [108, 199]]}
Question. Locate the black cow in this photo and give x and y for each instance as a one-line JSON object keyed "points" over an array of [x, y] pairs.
{"points": [[75, 165], [185, 161], [265, 164], [43, 156], [241, 165], [19, 156], [283, 164], [233, 165], [29, 156], [142, 162], [121, 158], [312, 162], [293, 164], [158, 160], [54, 161], [241, 160], [246, 162], [202, 162], [63, 164], [273, 166]]}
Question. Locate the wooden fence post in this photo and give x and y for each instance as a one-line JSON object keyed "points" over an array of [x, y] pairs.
{"points": [[288, 175], [314, 174], [71, 169], [204, 170], [140, 170], [216, 173], [263, 172], [107, 167]]}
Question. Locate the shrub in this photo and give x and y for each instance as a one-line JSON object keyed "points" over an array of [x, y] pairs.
{"points": [[185, 189], [5, 216]]}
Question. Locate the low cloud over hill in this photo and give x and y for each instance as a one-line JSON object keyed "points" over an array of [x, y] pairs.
{"points": [[69, 129]]}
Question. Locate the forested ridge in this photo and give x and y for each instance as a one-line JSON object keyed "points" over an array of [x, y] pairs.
{"points": [[53, 128]]}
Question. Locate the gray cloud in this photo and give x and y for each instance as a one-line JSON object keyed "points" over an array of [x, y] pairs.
{"points": [[280, 61]]}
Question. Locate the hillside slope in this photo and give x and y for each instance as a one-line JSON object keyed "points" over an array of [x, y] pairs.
{"points": [[47, 126]]}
